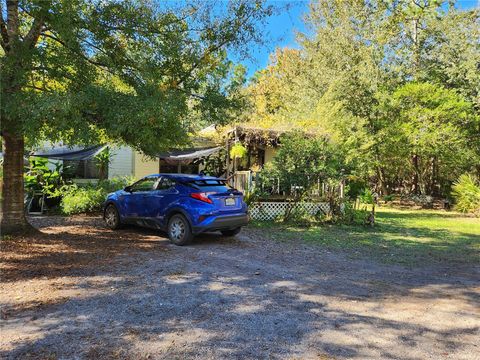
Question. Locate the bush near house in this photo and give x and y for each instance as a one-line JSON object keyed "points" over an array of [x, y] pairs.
{"points": [[77, 199], [39, 177], [89, 198]]}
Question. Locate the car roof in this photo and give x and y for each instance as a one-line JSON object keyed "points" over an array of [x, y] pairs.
{"points": [[187, 177]]}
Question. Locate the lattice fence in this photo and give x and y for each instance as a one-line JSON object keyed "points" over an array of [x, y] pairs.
{"points": [[271, 210]]}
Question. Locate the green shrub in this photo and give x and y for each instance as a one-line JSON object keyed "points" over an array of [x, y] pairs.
{"points": [[78, 200], [367, 197], [300, 164], [89, 198], [39, 177], [466, 192], [355, 186], [346, 215]]}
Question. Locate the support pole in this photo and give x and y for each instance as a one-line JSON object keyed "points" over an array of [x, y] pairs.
{"points": [[227, 147]]}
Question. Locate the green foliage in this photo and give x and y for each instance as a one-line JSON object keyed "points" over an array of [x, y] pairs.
{"points": [[214, 165], [466, 192], [39, 177], [90, 72], [393, 85], [345, 214], [435, 125], [238, 151], [299, 216], [367, 197], [76, 200], [300, 163], [355, 186], [115, 183], [89, 198], [135, 72], [102, 160], [251, 196]]}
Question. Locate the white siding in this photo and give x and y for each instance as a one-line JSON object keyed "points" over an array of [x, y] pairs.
{"points": [[121, 163]]}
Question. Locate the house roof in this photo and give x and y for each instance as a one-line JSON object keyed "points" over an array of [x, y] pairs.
{"points": [[257, 134], [272, 133], [263, 135]]}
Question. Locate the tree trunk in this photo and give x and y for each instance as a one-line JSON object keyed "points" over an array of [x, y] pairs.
{"points": [[434, 188], [416, 171], [13, 214], [381, 182]]}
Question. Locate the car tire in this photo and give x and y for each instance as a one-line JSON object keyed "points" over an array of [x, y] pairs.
{"points": [[232, 232], [179, 231], [112, 217]]}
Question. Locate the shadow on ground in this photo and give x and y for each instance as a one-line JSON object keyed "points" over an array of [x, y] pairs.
{"points": [[248, 297]]}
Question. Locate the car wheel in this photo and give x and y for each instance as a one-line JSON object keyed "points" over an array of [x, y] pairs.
{"points": [[112, 217], [232, 232], [179, 231]]}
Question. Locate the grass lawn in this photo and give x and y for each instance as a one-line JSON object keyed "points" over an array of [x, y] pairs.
{"points": [[408, 237]]}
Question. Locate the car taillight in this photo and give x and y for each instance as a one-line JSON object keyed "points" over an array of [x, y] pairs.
{"points": [[202, 197]]}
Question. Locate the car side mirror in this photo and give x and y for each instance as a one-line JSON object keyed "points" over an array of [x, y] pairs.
{"points": [[128, 189]]}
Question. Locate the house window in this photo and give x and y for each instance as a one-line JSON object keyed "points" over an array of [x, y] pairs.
{"points": [[81, 169], [167, 168], [189, 169]]}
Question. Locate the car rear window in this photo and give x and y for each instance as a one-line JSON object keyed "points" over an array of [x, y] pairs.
{"points": [[211, 185]]}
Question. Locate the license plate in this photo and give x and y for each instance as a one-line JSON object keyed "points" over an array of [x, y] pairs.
{"points": [[229, 201]]}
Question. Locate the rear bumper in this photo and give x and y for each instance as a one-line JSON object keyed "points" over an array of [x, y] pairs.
{"points": [[223, 223]]}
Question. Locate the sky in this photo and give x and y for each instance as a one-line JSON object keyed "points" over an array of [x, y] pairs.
{"points": [[281, 28]]}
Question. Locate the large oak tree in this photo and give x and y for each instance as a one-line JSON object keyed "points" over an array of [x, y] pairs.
{"points": [[131, 71]]}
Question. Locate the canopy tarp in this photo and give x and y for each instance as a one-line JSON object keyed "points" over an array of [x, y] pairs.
{"points": [[186, 156], [70, 153]]}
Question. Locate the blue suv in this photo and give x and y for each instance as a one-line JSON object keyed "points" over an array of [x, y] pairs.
{"points": [[180, 204]]}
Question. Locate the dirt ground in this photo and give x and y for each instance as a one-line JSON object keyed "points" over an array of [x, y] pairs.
{"points": [[81, 291]]}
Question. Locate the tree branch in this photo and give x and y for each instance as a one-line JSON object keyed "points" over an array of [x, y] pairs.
{"points": [[34, 32], [86, 58], [209, 51], [234, 26]]}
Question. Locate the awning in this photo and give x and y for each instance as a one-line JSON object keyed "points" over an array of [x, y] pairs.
{"points": [[186, 156], [70, 152]]}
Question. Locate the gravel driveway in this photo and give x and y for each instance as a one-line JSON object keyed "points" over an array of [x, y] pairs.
{"points": [[81, 291]]}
